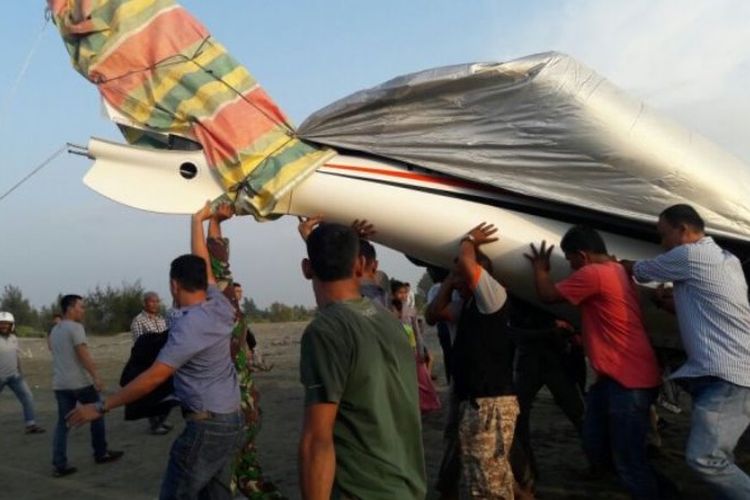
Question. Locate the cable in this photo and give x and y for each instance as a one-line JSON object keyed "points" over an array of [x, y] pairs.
{"points": [[36, 169], [24, 68]]}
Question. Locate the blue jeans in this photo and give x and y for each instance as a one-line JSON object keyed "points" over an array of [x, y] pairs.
{"points": [[202, 458], [21, 389], [615, 426], [721, 413], [66, 402]]}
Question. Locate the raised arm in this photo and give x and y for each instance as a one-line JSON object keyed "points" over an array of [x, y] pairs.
{"points": [[540, 263], [218, 250], [467, 253], [198, 239]]}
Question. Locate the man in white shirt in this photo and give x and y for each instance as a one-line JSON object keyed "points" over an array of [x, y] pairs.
{"points": [[10, 371]]}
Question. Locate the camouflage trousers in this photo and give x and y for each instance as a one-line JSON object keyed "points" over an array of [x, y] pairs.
{"points": [[485, 435]]}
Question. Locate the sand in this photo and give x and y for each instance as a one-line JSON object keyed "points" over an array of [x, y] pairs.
{"points": [[25, 467]]}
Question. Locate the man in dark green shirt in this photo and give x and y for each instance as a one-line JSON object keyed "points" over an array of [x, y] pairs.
{"points": [[362, 435]]}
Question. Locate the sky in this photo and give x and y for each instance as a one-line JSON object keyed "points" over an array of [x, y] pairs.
{"points": [[689, 59]]}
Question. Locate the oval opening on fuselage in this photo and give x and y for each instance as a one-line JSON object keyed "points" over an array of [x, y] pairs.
{"points": [[188, 170]]}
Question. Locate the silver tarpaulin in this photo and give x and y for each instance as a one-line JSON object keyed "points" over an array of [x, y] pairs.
{"points": [[546, 127]]}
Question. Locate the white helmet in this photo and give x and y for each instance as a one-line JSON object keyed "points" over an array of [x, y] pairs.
{"points": [[6, 317]]}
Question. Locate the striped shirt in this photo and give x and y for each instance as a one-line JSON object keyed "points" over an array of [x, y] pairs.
{"points": [[711, 301], [147, 323]]}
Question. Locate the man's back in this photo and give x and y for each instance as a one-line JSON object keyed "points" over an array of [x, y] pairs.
{"points": [[613, 333], [357, 355], [711, 302], [68, 372], [198, 348]]}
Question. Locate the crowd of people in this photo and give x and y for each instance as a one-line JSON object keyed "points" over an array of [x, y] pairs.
{"points": [[368, 375]]}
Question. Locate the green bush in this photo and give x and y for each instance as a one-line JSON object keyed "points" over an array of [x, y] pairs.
{"points": [[29, 331], [110, 310]]}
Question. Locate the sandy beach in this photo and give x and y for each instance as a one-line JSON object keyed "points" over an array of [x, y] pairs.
{"points": [[25, 460]]}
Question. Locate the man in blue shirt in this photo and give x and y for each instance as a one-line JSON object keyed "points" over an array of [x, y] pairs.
{"points": [[205, 381], [711, 303]]}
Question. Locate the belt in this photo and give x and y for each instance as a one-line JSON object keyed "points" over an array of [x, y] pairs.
{"points": [[196, 416]]}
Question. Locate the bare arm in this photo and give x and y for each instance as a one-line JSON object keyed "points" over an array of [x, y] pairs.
{"points": [[545, 288], [317, 457], [467, 252], [84, 356], [135, 390], [438, 309], [467, 258], [143, 384], [540, 262], [198, 240], [222, 213]]}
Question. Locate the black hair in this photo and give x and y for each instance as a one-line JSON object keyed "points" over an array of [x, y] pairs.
{"points": [[332, 250], [190, 272], [367, 250], [236, 284], [68, 301], [683, 214], [437, 274], [583, 239], [396, 285]]}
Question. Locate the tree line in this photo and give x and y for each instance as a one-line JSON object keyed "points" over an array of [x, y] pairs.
{"points": [[110, 310]]}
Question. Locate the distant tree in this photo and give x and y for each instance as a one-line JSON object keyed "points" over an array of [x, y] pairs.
{"points": [[110, 310], [13, 301], [46, 313], [280, 313]]}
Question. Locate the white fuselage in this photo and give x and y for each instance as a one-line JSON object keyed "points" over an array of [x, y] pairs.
{"points": [[417, 212]]}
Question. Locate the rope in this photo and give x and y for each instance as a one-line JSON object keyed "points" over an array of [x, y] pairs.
{"points": [[24, 68], [34, 171]]}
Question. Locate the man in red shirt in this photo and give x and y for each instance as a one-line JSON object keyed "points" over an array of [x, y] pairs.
{"points": [[617, 404]]}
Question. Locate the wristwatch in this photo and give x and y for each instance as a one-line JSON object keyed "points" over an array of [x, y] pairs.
{"points": [[99, 405], [470, 238]]}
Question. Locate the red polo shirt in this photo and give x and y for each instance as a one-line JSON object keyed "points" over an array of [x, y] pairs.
{"points": [[613, 334]]}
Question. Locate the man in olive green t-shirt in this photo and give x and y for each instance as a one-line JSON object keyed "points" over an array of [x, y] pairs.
{"points": [[362, 435]]}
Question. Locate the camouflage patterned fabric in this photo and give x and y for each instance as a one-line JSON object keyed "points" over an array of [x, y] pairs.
{"points": [[485, 434], [248, 475]]}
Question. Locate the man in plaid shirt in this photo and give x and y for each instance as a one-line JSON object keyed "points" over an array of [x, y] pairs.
{"points": [[151, 321]]}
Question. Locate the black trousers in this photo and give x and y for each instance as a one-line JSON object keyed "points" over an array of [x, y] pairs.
{"points": [[536, 366]]}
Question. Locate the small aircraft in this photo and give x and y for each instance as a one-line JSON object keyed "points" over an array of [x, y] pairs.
{"points": [[532, 145]]}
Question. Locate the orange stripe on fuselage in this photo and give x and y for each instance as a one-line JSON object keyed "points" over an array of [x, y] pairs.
{"points": [[445, 181]]}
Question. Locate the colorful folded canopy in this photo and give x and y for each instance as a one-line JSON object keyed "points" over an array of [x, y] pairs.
{"points": [[158, 67]]}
